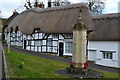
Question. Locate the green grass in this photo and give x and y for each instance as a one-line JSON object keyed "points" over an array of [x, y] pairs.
{"points": [[36, 67], [108, 74]]}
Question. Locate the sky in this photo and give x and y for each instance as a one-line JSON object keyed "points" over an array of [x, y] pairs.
{"points": [[7, 6]]}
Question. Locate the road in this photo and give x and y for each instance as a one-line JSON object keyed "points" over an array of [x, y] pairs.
{"points": [[1, 50]]}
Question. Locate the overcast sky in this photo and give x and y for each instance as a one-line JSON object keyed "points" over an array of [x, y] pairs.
{"points": [[8, 6]]}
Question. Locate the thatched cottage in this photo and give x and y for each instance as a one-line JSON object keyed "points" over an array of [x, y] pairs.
{"points": [[50, 30], [7, 22]]}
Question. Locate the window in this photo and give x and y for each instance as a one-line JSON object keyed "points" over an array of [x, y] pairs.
{"points": [[29, 43], [37, 30], [49, 43], [11, 30], [68, 47], [38, 43], [68, 36], [16, 29], [107, 54], [55, 35]]}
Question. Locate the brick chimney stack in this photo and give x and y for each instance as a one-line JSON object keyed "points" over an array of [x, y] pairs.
{"points": [[41, 5], [15, 12], [36, 3], [49, 3]]}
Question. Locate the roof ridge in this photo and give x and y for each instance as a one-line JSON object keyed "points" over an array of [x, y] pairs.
{"points": [[106, 16], [65, 7]]}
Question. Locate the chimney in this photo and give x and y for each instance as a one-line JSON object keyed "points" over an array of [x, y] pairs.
{"points": [[41, 5], [28, 0], [49, 3], [15, 12], [36, 3]]}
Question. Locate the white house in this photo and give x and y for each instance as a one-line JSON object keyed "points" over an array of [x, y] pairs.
{"points": [[50, 30], [104, 41]]}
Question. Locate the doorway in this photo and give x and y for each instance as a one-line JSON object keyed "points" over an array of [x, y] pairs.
{"points": [[61, 47], [25, 44]]}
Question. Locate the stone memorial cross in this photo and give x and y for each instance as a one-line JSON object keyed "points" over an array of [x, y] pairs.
{"points": [[79, 43]]}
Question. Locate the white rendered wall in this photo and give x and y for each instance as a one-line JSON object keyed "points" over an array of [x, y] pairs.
{"points": [[105, 46], [92, 55], [119, 54]]}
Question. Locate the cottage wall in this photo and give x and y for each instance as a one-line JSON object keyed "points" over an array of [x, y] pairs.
{"points": [[38, 41], [98, 47]]}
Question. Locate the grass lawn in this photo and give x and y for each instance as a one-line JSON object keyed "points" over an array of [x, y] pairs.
{"points": [[36, 67], [108, 74]]}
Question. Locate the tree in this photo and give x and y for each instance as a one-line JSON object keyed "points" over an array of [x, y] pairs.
{"points": [[96, 6], [28, 4]]}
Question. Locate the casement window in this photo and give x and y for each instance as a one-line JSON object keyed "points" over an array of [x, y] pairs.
{"points": [[11, 30], [68, 47], [107, 54], [49, 43], [55, 35], [16, 29], [37, 30], [68, 36], [29, 43], [38, 43]]}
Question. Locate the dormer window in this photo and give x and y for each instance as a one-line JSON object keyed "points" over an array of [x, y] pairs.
{"points": [[16, 29], [37, 30], [11, 30], [55, 35], [68, 35]]}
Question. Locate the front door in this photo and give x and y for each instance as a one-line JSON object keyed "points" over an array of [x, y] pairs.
{"points": [[61, 49], [24, 44]]}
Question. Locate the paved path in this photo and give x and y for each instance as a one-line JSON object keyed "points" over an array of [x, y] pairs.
{"points": [[1, 66], [64, 60]]}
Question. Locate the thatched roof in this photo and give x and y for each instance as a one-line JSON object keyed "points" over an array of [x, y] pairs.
{"points": [[52, 20], [61, 20], [106, 27], [7, 22]]}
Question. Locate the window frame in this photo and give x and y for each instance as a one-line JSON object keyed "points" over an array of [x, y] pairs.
{"points": [[68, 47], [108, 55]]}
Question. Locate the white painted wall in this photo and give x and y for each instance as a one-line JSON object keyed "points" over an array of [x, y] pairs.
{"points": [[92, 55], [105, 46]]}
